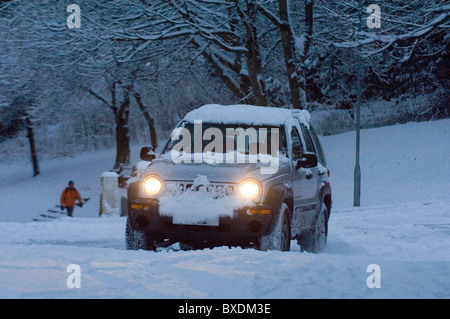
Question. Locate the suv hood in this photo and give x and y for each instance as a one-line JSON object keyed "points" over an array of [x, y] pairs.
{"points": [[219, 173]]}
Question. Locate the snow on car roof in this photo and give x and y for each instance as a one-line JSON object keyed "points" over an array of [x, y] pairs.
{"points": [[246, 114]]}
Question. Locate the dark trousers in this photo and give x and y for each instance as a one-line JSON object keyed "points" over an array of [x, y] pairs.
{"points": [[69, 211]]}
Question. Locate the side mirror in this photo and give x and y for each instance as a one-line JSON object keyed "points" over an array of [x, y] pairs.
{"points": [[308, 160], [147, 154]]}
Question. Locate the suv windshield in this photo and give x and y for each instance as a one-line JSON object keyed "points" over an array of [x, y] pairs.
{"points": [[201, 137]]}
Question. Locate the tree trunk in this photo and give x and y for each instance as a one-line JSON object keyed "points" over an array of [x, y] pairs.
{"points": [[244, 83], [123, 144], [122, 137], [227, 80], [121, 115], [288, 43], [149, 119], [30, 135], [309, 22], [253, 55], [254, 64]]}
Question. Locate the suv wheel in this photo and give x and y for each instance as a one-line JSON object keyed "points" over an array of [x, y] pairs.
{"points": [[280, 237], [317, 238], [136, 240]]}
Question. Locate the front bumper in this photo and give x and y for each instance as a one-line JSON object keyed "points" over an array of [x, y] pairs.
{"points": [[247, 224]]}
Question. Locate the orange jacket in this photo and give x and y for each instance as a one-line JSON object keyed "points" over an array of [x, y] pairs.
{"points": [[69, 196]]}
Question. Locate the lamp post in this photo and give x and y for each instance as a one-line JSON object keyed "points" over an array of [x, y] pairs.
{"points": [[357, 172]]}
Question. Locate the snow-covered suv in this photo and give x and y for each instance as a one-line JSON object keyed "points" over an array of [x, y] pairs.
{"points": [[233, 175]]}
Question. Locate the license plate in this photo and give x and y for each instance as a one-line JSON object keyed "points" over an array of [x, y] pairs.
{"points": [[195, 220]]}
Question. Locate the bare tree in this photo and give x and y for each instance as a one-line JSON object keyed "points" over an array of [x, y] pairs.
{"points": [[404, 24]]}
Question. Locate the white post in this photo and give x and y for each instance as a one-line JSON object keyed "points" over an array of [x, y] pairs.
{"points": [[110, 194]]}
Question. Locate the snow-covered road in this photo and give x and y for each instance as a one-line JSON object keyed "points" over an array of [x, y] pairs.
{"points": [[403, 227], [409, 242]]}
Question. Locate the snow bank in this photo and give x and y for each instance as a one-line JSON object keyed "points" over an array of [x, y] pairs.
{"points": [[400, 163]]}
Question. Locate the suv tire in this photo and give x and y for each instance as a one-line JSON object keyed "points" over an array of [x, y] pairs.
{"points": [[136, 240], [280, 237], [317, 238]]}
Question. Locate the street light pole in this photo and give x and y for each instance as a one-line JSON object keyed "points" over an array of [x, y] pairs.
{"points": [[357, 172]]}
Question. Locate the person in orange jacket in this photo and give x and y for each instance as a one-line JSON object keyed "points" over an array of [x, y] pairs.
{"points": [[68, 197]]}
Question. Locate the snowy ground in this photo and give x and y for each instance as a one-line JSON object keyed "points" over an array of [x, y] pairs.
{"points": [[403, 226]]}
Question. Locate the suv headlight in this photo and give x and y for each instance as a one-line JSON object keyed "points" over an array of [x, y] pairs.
{"points": [[152, 185], [250, 189]]}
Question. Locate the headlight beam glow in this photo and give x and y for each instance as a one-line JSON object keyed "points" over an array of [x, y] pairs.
{"points": [[152, 185], [250, 189]]}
